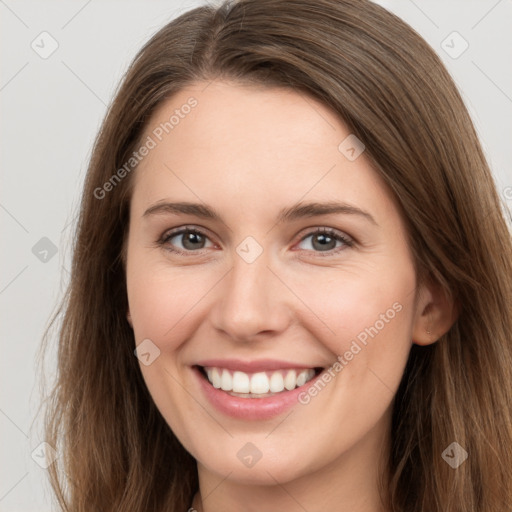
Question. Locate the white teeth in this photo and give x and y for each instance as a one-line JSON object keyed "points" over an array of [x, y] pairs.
{"points": [[290, 380], [301, 378], [241, 382], [226, 381], [215, 378], [260, 383], [276, 382]]}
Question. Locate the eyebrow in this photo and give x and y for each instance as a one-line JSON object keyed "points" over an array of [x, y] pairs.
{"points": [[295, 212]]}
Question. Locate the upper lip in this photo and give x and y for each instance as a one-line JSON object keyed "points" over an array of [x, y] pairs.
{"points": [[254, 366]]}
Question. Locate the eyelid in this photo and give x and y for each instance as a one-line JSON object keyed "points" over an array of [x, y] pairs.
{"points": [[327, 230], [171, 233], [347, 240]]}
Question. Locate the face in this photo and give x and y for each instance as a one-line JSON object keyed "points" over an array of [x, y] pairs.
{"points": [[270, 284]]}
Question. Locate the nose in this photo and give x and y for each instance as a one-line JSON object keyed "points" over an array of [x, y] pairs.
{"points": [[252, 302]]}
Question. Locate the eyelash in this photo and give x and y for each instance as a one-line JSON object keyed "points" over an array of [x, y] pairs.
{"points": [[347, 242]]}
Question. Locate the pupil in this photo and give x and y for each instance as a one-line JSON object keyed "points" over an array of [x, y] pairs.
{"points": [[190, 239], [323, 241]]}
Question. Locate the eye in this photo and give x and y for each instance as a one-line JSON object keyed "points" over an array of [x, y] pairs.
{"points": [[189, 239], [186, 240], [325, 240]]}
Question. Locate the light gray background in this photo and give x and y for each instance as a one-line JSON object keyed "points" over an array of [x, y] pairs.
{"points": [[51, 110]]}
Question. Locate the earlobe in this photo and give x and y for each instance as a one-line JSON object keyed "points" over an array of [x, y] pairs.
{"points": [[129, 318], [436, 312]]}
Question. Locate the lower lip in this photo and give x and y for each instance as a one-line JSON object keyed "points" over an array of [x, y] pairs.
{"points": [[251, 408]]}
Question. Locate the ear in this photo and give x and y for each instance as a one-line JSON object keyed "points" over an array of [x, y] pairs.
{"points": [[435, 314], [129, 318]]}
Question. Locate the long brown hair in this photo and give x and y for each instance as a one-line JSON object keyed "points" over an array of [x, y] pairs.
{"points": [[116, 452]]}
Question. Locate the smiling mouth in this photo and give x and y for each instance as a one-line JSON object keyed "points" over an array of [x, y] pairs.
{"points": [[257, 385]]}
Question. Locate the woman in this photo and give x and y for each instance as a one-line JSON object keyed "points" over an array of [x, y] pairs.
{"points": [[340, 336]]}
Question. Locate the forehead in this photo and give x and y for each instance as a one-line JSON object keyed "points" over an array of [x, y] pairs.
{"points": [[220, 141], [245, 118]]}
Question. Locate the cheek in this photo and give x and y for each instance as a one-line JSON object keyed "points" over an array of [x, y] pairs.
{"points": [[164, 304], [365, 316], [162, 299]]}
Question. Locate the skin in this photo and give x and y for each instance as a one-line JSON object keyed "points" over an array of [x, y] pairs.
{"points": [[248, 152]]}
